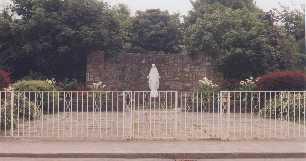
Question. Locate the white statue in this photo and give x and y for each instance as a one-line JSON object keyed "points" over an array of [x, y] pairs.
{"points": [[154, 81]]}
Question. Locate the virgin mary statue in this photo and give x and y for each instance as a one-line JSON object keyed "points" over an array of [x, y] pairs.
{"points": [[154, 81]]}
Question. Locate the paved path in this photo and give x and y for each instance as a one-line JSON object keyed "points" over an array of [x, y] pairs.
{"points": [[109, 159], [158, 149], [159, 124]]}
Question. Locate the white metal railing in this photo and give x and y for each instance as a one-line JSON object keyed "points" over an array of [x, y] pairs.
{"points": [[232, 115]]}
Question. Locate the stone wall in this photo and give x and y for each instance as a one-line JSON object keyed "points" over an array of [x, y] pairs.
{"points": [[130, 71]]}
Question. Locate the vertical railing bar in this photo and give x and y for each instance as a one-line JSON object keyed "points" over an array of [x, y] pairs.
{"points": [[77, 114], [138, 118], [12, 113], [34, 124], [82, 114], [131, 114], [228, 125], [234, 102], [270, 123], [160, 111], [124, 103], [117, 112], [176, 113], [252, 97], [294, 115], [29, 117], [275, 116], [23, 117], [48, 121], [192, 112], [143, 107], [288, 114], [87, 113], [53, 114], [259, 107], [58, 112], [64, 108], [281, 119], [42, 114], [246, 111], [181, 104], [240, 113], [154, 118], [106, 114], [5, 104], [299, 114], [18, 113], [166, 114], [71, 119], [201, 106], [185, 109], [265, 114], [94, 93], [197, 105], [171, 100], [100, 113], [112, 115], [213, 110]]}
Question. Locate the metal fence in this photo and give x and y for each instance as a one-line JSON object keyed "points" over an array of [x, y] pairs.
{"points": [[232, 115]]}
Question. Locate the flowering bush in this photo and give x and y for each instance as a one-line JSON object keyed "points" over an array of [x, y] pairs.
{"points": [[208, 85], [248, 84], [4, 79], [98, 86], [285, 80]]}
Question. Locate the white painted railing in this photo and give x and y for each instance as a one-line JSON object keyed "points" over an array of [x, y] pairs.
{"points": [[232, 115]]}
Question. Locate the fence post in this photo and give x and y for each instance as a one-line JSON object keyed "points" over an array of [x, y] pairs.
{"points": [[176, 113], [12, 113]]}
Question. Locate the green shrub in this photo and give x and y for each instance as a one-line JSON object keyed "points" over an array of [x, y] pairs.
{"points": [[287, 106], [38, 91], [34, 85], [27, 110], [69, 85]]}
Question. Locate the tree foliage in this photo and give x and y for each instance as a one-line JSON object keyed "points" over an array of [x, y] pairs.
{"points": [[51, 38], [122, 13], [156, 30], [55, 36], [242, 41]]}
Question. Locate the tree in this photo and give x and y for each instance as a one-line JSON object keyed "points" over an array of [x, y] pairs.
{"points": [[240, 41], [55, 36], [156, 30], [122, 13], [292, 22], [234, 4]]}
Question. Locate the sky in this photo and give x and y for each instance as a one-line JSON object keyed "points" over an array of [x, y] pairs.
{"points": [[183, 6]]}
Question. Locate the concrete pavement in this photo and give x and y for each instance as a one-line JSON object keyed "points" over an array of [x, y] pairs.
{"points": [[152, 149]]}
